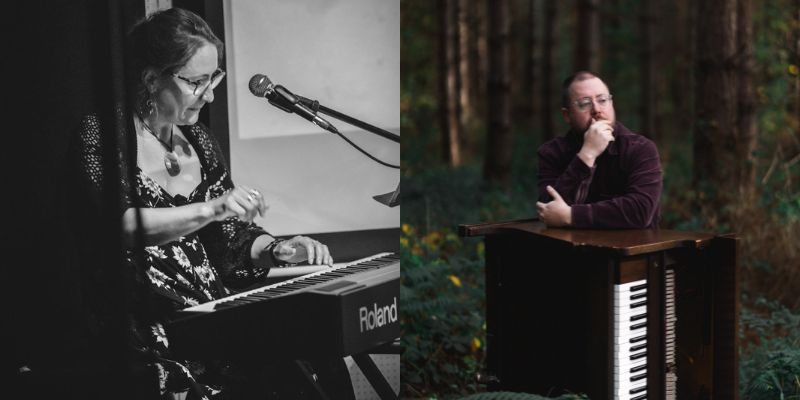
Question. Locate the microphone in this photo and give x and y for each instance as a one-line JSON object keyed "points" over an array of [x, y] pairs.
{"points": [[287, 101]]}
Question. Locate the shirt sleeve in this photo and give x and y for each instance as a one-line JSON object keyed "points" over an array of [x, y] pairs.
{"points": [[572, 182], [228, 242], [88, 150], [638, 206]]}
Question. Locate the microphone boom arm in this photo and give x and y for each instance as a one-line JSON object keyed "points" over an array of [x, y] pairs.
{"points": [[317, 107]]}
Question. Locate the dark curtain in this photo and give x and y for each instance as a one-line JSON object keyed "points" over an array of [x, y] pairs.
{"points": [[63, 257]]}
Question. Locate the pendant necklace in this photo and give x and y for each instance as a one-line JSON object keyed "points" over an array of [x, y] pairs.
{"points": [[170, 158]]}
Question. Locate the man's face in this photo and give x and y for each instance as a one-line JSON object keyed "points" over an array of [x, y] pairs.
{"points": [[592, 93]]}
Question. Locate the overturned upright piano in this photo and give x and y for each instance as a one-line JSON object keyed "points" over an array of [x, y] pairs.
{"points": [[614, 314]]}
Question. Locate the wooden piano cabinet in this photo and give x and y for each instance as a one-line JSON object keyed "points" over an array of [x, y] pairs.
{"points": [[550, 315]]}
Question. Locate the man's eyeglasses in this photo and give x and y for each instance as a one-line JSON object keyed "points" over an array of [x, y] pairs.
{"points": [[199, 87], [586, 103]]}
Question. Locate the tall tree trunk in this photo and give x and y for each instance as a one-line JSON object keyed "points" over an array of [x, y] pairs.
{"points": [[482, 48], [647, 64], [797, 51], [587, 46], [519, 28], [451, 132], [531, 64], [441, 69], [723, 140], [466, 30], [746, 96], [716, 91], [612, 23], [684, 49], [550, 104], [497, 166]]}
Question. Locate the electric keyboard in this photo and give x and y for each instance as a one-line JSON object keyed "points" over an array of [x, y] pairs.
{"points": [[344, 310]]}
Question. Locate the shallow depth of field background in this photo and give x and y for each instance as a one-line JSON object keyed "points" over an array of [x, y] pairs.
{"points": [[730, 152]]}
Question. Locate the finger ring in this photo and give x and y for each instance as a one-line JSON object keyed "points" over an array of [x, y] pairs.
{"points": [[250, 198], [255, 192]]}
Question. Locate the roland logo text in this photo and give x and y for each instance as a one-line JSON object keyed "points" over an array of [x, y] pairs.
{"points": [[377, 317]]}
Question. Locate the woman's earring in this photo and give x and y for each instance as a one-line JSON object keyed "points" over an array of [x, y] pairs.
{"points": [[151, 106]]}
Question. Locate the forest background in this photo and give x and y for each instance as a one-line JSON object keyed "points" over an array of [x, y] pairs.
{"points": [[714, 83]]}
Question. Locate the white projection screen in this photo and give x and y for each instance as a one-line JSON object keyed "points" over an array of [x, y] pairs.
{"points": [[346, 55], [342, 53]]}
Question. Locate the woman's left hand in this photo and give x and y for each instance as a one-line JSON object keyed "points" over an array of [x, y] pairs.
{"points": [[302, 248]]}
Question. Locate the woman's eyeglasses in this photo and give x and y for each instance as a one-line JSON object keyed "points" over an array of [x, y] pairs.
{"points": [[199, 87]]}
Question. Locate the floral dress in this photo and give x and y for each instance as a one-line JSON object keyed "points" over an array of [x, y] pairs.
{"points": [[196, 268]]}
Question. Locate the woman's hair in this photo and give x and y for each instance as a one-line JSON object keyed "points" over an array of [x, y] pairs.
{"points": [[164, 41]]}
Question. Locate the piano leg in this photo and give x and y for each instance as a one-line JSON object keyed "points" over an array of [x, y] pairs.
{"points": [[374, 376]]}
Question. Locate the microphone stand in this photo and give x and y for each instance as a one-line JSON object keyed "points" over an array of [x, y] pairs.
{"points": [[316, 107], [391, 199]]}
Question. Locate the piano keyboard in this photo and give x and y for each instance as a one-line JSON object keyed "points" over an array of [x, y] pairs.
{"points": [[630, 341], [296, 284], [343, 310]]}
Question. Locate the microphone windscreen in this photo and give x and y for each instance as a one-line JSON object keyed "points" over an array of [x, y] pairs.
{"points": [[260, 85]]}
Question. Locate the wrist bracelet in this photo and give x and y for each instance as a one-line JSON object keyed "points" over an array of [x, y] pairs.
{"points": [[271, 249]]}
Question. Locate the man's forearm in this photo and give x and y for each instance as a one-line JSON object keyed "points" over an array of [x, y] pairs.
{"points": [[567, 182]]}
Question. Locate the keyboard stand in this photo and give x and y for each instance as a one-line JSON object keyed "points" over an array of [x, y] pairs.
{"points": [[373, 374], [311, 380]]}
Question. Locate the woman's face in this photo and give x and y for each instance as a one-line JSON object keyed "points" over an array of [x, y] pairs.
{"points": [[174, 97]]}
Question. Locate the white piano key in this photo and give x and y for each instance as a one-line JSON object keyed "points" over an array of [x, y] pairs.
{"points": [[628, 333]]}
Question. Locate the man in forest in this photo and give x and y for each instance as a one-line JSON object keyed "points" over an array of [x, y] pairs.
{"points": [[600, 174]]}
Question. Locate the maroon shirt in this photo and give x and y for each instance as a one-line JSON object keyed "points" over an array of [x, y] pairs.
{"points": [[622, 190]]}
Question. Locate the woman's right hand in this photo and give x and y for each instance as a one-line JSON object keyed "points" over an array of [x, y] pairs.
{"points": [[242, 202]]}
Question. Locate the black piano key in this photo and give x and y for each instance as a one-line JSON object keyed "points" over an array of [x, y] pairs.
{"points": [[638, 317], [638, 389], [248, 299], [638, 287], [370, 264], [639, 304], [642, 397], [639, 368], [638, 339], [639, 355], [639, 377], [294, 286], [263, 296], [639, 325], [638, 347], [638, 296]]}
